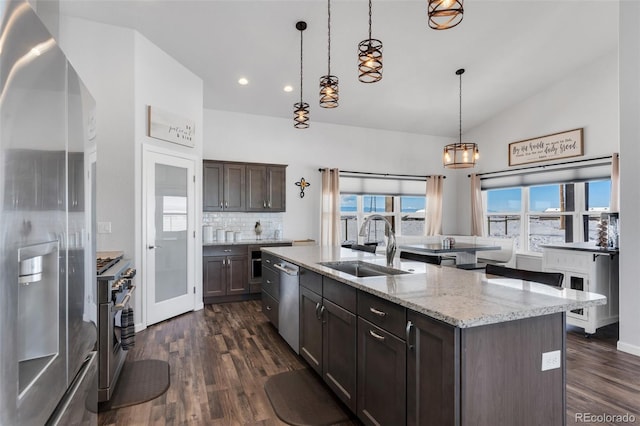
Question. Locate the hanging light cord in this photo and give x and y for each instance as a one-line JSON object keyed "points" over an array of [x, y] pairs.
{"points": [[300, 66], [329, 37], [369, 19], [460, 117]]}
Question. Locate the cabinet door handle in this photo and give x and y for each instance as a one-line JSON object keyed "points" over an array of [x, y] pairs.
{"points": [[264, 204], [317, 309], [377, 312], [227, 250], [267, 260], [376, 335], [322, 313], [226, 204], [220, 204], [268, 308], [408, 335], [269, 204], [224, 261], [268, 281]]}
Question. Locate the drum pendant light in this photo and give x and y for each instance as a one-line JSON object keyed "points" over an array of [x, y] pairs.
{"points": [[444, 14], [460, 155], [301, 109], [329, 83], [370, 57]]}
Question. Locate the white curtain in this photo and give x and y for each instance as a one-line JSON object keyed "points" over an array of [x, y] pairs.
{"points": [[433, 215], [330, 214], [477, 212], [614, 204]]}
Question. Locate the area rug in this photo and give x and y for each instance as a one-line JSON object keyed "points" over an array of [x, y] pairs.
{"points": [[139, 381], [300, 398]]}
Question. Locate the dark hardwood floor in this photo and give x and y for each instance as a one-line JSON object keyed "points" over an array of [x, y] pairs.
{"points": [[221, 356]]}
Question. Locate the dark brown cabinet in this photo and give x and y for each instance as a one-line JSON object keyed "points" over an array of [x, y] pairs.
{"points": [[432, 372], [381, 376], [223, 186], [234, 186], [266, 188], [225, 273], [328, 334]]}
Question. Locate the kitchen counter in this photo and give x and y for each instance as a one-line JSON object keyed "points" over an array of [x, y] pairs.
{"points": [[590, 246], [461, 298], [251, 242]]}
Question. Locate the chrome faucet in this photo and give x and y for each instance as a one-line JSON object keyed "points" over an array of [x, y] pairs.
{"points": [[388, 232]]}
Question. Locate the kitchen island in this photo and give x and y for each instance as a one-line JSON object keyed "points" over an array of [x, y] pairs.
{"points": [[434, 345]]}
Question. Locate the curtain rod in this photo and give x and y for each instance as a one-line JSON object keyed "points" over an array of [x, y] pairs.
{"points": [[544, 166], [383, 174]]}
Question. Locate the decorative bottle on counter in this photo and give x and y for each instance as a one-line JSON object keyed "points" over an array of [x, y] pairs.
{"points": [[258, 230]]}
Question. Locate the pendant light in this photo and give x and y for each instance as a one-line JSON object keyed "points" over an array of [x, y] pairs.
{"points": [[460, 155], [301, 109], [370, 57], [329, 83], [444, 14]]}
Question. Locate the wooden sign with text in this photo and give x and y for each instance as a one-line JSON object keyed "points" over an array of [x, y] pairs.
{"points": [[170, 127], [545, 148]]}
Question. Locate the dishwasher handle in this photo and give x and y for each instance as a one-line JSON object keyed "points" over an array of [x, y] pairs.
{"points": [[288, 271]]}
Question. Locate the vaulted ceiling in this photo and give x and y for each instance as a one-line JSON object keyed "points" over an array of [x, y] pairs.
{"points": [[511, 49]]}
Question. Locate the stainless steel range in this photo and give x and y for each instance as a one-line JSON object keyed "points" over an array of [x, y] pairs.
{"points": [[115, 287]]}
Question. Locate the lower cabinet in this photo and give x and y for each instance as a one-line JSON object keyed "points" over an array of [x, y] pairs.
{"points": [[224, 276], [381, 376], [432, 372], [328, 343]]}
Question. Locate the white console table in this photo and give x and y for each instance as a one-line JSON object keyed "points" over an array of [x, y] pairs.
{"points": [[588, 268]]}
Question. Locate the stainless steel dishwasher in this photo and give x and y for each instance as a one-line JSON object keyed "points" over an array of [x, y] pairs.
{"points": [[289, 305]]}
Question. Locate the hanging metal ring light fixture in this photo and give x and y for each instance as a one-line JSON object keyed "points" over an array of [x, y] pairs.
{"points": [[370, 57], [301, 109], [329, 83], [460, 155], [444, 14]]}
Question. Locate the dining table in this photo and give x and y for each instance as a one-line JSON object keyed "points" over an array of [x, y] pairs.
{"points": [[466, 253]]}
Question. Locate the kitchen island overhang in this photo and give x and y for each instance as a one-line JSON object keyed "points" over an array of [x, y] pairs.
{"points": [[486, 351]]}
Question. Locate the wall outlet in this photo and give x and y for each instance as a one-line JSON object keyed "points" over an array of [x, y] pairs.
{"points": [[551, 360], [104, 228]]}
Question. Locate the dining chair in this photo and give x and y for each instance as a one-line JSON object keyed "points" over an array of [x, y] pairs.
{"points": [[549, 278], [434, 260], [366, 247]]}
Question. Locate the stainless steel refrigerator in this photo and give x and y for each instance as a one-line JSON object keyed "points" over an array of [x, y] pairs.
{"points": [[47, 254]]}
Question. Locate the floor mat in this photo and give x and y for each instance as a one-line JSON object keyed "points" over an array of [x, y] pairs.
{"points": [[140, 381], [300, 398]]}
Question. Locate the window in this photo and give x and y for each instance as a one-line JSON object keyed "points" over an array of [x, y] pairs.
{"points": [[545, 214], [174, 216], [408, 211]]}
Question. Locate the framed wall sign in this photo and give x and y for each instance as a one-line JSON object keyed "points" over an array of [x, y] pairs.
{"points": [[170, 127], [546, 148]]}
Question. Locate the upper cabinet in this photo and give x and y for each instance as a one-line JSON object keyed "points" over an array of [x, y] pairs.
{"points": [[223, 187], [266, 188], [230, 186]]}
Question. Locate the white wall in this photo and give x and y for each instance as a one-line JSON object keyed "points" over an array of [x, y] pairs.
{"points": [[629, 177], [243, 137]]}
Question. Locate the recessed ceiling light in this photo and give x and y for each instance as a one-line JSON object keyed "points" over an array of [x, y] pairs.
{"points": [[288, 88], [243, 81]]}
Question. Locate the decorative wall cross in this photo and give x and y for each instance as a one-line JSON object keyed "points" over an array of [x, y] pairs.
{"points": [[302, 184]]}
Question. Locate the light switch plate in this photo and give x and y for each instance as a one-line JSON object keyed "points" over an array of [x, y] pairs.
{"points": [[551, 360], [104, 228]]}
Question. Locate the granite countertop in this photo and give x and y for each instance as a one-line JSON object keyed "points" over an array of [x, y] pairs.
{"points": [[458, 297], [252, 242], [590, 246]]}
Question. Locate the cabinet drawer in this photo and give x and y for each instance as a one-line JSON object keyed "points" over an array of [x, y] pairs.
{"points": [[384, 314], [271, 282], [270, 308], [269, 259], [311, 280], [232, 250], [339, 293]]}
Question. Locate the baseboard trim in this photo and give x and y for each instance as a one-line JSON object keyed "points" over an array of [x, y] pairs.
{"points": [[628, 348]]}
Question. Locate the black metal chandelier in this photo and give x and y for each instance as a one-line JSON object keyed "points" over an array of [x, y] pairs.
{"points": [[460, 155], [370, 57], [301, 109], [329, 83], [444, 14]]}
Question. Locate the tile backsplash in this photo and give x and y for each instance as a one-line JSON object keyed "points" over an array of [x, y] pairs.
{"points": [[245, 223]]}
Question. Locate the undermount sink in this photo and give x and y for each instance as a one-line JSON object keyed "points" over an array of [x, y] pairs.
{"points": [[361, 269]]}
